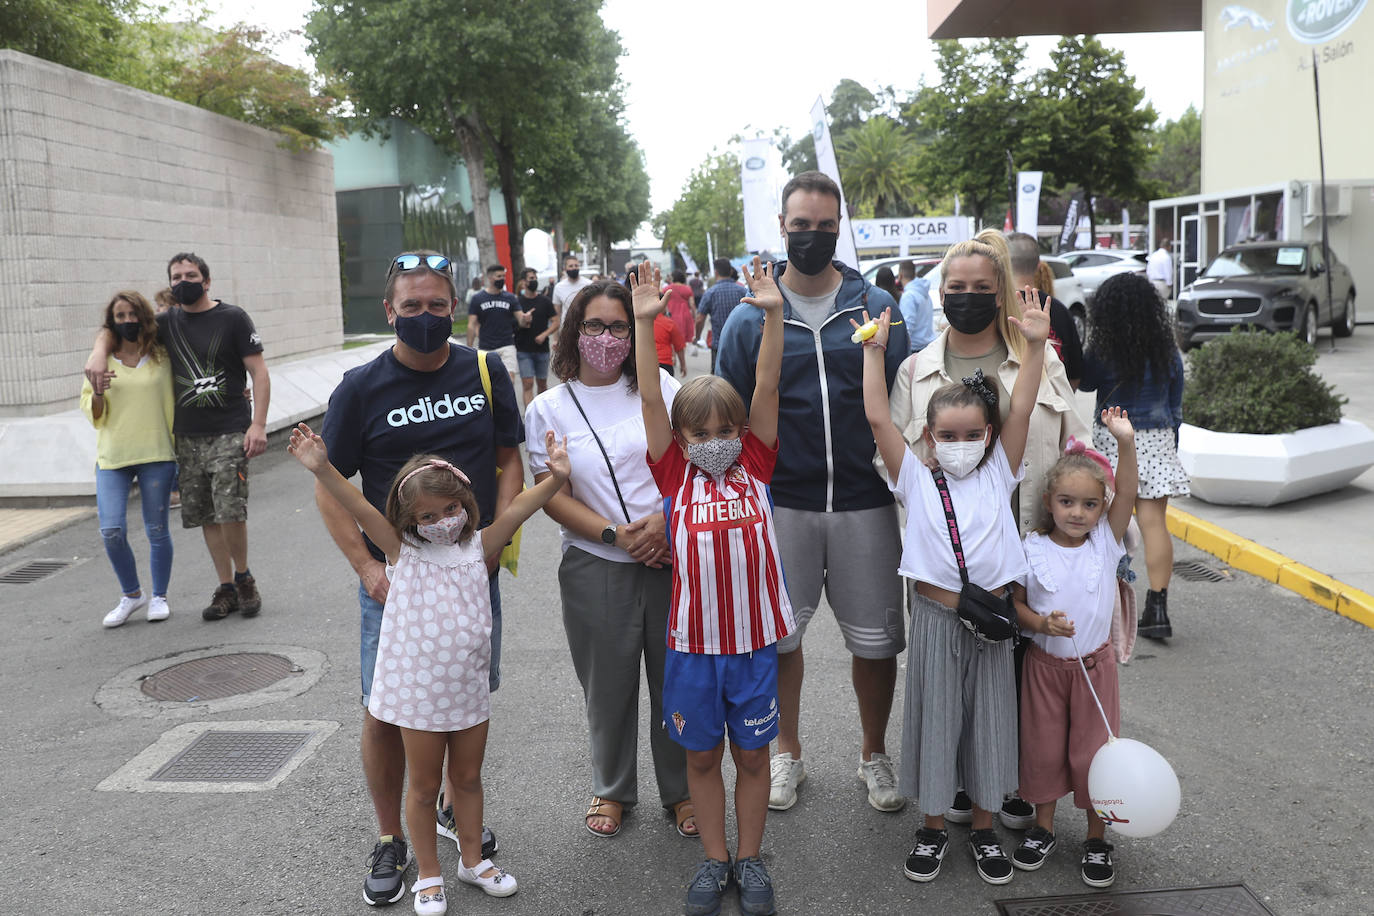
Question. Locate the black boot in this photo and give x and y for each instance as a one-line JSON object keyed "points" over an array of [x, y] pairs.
{"points": [[1154, 623]]}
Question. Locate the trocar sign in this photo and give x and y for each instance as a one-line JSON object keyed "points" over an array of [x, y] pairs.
{"points": [[918, 230]]}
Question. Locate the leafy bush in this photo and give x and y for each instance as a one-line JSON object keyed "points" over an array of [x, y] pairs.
{"points": [[1257, 382]]}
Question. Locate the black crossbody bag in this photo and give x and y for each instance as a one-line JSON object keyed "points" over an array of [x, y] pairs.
{"points": [[989, 617]]}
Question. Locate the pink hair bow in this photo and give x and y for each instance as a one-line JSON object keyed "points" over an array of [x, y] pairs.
{"points": [[1075, 447]]}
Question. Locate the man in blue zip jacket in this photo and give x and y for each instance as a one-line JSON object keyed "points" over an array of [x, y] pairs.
{"points": [[835, 517]]}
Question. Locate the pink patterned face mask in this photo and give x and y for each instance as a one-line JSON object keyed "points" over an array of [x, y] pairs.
{"points": [[445, 531], [603, 352]]}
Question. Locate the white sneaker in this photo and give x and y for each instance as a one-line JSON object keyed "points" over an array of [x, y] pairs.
{"points": [[429, 897], [157, 608], [785, 775], [126, 607], [499, 884], [882, 783]]}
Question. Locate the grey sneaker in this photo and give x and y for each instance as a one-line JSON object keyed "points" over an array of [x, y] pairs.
{"points": [[385, 881], [785, 774], [707, 888], [882, 783], [755, 887], [444, 826]]}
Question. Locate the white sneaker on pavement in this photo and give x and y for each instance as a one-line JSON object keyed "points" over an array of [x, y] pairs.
{"points": [[121, 612], [877, 774], [785, 775], [157, 609]]}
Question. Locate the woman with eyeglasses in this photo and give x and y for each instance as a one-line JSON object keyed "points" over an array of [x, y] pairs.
{"points": [[614, 577]]}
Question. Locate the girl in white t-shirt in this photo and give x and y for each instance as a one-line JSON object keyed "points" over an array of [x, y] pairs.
{"points": [[960, 719], [1071, 585]]}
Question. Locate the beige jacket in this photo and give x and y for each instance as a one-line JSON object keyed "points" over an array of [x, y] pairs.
{"points": [[1052, 423]]}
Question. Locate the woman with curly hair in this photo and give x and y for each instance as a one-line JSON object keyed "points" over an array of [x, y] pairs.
{"points": [[1133, 363]]}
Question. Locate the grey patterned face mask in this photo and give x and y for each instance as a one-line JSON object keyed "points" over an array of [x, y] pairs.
{"points": [[714, 456]]}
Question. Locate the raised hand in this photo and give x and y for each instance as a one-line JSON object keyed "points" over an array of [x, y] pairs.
{"points": [[763, 289], [558, 462], [884, 323], [1118, 424], [644, 291], [1035, 316], [308, 448]]}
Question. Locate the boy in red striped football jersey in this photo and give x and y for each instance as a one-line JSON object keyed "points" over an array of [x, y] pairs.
{"points": [[712, 462]]}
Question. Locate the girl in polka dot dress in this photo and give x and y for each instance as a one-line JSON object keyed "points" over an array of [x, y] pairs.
{"points": [[434, 650]]}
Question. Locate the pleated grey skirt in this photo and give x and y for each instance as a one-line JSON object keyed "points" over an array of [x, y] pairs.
{"points": [[959, 727]]}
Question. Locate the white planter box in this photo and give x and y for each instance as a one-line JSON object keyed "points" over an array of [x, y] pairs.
{"points": [[1237, 469]]}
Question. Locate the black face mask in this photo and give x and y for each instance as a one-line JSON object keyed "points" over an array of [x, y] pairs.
{"points": [[425, 332], [969, 313], [499, 284], [128, 330], [811, 251], [188, 292], [532, 285], [572, 274]]}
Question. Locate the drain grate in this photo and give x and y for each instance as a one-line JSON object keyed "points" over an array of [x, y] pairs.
{"points": [[32, 571], [1228, 900], [1194, 571], [218, 676], [232, 757]]}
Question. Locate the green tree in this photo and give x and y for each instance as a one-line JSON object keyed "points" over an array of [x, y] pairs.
{"points": [[972, 117], [878, 163], [1093, 122], [1174, 165], [709, 203], [81, 34]]}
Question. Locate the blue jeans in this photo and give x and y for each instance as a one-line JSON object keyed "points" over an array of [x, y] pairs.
{"points": [[371, 630], [112, 505]]}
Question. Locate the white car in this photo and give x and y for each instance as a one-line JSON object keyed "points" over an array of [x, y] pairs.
{"points": [[1068, 289], [1093, 267]]}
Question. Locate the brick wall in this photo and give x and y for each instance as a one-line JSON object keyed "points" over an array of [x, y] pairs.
{"points": [[100, 184]]}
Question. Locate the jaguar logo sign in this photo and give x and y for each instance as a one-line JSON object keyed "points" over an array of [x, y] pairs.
{"points": [[1317, 21]]}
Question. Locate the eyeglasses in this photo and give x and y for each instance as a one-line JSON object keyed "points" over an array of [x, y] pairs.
{"points": [[594, 327], [413, 261]]}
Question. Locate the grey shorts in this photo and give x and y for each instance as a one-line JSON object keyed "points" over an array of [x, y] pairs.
{"points": [[854, 557]]}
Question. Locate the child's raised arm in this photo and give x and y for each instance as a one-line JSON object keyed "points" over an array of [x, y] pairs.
{"points": [[1035, 325], [310, 451], [1127, 475], [502, 528], [763, 408], [644, 285], [891, 446]]}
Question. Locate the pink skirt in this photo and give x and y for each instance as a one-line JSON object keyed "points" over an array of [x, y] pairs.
{"points": [[1061, 729]]}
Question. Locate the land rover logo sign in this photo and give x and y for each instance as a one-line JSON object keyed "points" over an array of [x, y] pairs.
{"points": [[1028, 188], [1317, 21], [754, 162]]}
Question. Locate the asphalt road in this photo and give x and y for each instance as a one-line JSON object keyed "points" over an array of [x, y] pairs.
{"points": [[1261, 704]]}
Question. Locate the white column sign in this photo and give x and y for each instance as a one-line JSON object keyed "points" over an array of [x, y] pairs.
{"points": [[1028, 201]]}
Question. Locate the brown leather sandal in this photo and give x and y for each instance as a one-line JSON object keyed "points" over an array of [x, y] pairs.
{"points": [[604, 807], [682, 812]]}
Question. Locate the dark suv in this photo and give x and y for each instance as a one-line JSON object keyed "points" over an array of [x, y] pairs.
{"points": [[1278, 286]]}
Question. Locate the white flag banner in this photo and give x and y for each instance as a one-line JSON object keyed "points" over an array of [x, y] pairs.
{"points": [[1125, 228], [758, 181], [1028, 201], [825, 158], [687, 257]]}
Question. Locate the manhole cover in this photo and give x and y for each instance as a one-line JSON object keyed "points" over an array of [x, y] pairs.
{"points": [[1194, 571], [1230, 900], [32, 571], [217, 676], [232, 757]]}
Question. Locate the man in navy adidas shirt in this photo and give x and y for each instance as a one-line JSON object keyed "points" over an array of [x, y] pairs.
{"points": [[424, 394]]}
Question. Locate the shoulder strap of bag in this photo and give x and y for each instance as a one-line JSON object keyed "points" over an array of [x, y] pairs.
{"points": [[948, 505], [615, 483], [486, 376]]}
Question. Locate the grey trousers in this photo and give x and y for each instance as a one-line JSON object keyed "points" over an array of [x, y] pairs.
{"points": [[615, 614]]}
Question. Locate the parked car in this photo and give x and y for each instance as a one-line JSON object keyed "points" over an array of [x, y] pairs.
{"points": [[1278, 286], [1092, 267], [1068, 289], [869, 269]]}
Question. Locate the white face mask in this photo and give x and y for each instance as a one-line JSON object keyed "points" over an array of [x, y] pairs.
{"points": [[959, 459]]}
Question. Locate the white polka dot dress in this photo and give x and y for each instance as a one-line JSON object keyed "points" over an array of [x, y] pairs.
{"points": [[434, 650]]}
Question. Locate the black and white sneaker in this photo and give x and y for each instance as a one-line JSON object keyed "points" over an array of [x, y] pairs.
{"points": [[386, 867], [1098, 870], [444, 826], [1035, 847], [993, 865], [961, 812], [927, 852], [1016, 813]]}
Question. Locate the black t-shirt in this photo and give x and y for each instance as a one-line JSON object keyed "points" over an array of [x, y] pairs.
{"points": [[208, 376], [382, 414], [497, 312], [1064, 338], [542, 311]]}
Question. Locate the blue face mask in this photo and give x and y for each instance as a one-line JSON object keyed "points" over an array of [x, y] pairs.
{"points": [[426, 332]]}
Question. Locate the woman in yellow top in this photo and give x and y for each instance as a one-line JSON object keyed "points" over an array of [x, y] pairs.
{"points": [[134, 419]]}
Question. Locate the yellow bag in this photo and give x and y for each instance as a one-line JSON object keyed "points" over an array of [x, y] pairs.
{"points": [[510, 554]]}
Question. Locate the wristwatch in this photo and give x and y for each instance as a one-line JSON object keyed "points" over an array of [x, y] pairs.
{"points": [[608, 535]]}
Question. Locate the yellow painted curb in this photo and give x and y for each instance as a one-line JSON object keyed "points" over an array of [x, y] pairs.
{"points": [[1270, 565]]}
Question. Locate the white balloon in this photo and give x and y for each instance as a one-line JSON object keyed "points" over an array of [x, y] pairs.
{"points": [[1133, 788]]}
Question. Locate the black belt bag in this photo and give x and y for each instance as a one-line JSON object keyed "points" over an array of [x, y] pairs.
{"points": [[989, 617]]}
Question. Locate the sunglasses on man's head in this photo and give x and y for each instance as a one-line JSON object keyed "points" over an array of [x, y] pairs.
{"points": [[413, 261]]}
